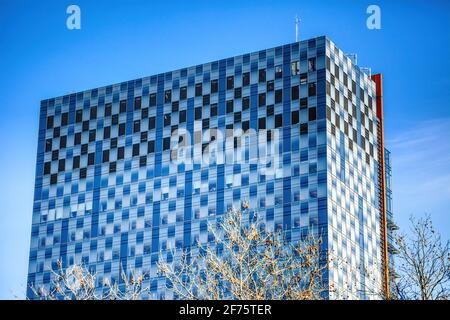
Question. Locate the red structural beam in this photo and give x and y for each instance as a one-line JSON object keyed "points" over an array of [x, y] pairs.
{"points": [[378, 79]]}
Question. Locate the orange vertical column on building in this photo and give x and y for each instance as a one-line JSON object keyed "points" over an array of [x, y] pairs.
{"points": [[378, 79]]}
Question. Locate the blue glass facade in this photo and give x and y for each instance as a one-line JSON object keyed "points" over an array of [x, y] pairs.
{"points": [[122, 175]]}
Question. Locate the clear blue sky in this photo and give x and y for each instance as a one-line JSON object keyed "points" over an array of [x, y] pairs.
{"points": [[121, 40]]}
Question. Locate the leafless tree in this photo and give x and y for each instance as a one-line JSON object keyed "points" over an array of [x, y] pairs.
{"points": [[422, 263], [246, 261], [76, 282]]}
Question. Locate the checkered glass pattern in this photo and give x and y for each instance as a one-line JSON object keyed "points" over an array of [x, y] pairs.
{"points": [[108, 195]]}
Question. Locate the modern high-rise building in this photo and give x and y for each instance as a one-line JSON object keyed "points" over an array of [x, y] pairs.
{"points": [[128, 171]]}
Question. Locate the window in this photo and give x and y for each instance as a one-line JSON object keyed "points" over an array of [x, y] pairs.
{"points": [[303, 78], [64, 119], [245, 103], [166, 143], [123, 106], [47, 167], [77, 138], [113, 143], [143, 161], [303, 103], [137, 103], [120, 153], [183, 93], [245, 79], [106, 132], [108, 109], [48, 144], [328, 91], [230, 82], [229, 106], [214, 86], [237, 117], [105, 155], [295, 117], [295, 68], [144, 136], [294, 93], [312, 64], [206, 99], [261, 123], [151, 147], [115, 119], [152, 101], [93, 113], [278, 96], [312, 89], [205, 124], [63, 142], [311, 114], [278, 72], [135, 149], [54, 178], [168, 96], [56, 132], [262, 75], [245, 125], [84, 149], [278, 120], [136, 126], [85, 126], [213, 111], [182, 116], [198, 113], [91, 159], [144, 113], [79, 116], [198, 90], [121, 129], [151, 123], [261, 99], [91, 135], [303, 128], [50, 122], [167, 119], [270, 86], [76, 162]]}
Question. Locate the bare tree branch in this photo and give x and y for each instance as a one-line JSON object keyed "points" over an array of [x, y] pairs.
{"points": [[423, 263], [246, 261], [78, 283]]}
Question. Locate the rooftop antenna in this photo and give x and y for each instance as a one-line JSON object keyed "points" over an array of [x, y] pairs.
{"points": [[353, 57], [296, 27]]}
